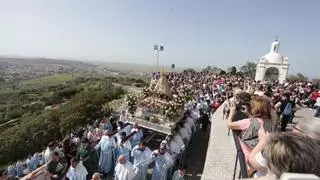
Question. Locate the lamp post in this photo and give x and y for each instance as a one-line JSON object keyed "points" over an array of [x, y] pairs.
{"points": [[158, 48]]}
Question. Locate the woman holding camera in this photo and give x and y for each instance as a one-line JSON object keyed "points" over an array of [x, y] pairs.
{"points": [[259, 114]]}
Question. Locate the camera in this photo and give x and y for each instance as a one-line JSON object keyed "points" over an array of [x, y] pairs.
{"points": [[243, 101]]}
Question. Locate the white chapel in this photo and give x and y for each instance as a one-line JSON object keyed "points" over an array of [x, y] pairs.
{"points": [[272, 66]]}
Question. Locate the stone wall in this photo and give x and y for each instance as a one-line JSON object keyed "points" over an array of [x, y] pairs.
{"points": [[221, 153]]}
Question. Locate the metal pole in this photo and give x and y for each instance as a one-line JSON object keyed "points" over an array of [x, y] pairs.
{"points": [[157, 60]]}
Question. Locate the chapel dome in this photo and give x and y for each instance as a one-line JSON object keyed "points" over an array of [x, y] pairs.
{"points": [[272, 57]]}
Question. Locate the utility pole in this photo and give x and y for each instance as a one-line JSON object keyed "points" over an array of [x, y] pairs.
{"points": [[158, 48]]}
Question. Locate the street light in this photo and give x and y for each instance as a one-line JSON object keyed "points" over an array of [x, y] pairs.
{"points": [[158, 48]]}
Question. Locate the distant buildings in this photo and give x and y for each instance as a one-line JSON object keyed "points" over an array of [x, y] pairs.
{"points": [[12, 71]]}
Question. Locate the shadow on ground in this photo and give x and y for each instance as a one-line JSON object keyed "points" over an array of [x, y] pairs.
{"points": [[196, 154]]}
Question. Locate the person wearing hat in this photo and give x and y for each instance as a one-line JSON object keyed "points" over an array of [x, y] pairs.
{"points": [[163, 161], [180, 173], [106, 146], [141, 159], [88, 156]]}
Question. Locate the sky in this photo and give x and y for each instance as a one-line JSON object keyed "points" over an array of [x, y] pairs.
{"points": [[194, 33]]}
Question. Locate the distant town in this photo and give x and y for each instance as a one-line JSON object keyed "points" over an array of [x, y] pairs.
{"points": [[18, 69]]}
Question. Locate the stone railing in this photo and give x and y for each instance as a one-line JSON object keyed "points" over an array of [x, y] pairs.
{"points": [[221, 152], [38, 174]]}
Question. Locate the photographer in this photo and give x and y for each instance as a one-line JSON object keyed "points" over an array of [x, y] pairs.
{"points": [[260, 116]]}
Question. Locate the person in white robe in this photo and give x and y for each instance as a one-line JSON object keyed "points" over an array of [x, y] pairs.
{"points": [[188, 128], [120, 140], [122, 150], [30, 164], [106, 145], [191, 123], [173, 147], [12, 172], [124, 169], [76, 170], [184, 134], [36, 158], [136, 138], [49, 151], [141, 159], [124, 119], [122, 134], [178, 140], [19, 167], [163, 161]]}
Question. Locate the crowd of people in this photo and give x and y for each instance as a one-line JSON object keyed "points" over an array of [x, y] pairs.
{"points": [[259, 112]]}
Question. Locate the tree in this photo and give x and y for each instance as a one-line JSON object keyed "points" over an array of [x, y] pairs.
{"points": [[299, 77], [222, 72], [249, 69], [36, 128], [207, 69], [189, 70], [232, 70]]}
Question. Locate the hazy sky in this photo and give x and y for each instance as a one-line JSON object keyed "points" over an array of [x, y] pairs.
{"points": [[195, 33]]}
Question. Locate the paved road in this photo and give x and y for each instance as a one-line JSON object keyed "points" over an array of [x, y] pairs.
{"points": [[196, 154], [304, 113]]}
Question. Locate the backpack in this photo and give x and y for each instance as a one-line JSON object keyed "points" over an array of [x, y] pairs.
{"points": [[288, 109], [250, 137]]}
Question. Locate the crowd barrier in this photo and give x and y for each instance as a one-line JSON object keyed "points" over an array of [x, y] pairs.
{"points": [[243, 173]]}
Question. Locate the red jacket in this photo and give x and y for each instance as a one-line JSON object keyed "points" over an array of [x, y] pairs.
{"points": [[314, 95]]}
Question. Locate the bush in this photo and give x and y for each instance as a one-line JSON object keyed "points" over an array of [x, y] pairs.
{"points": [[37, 128]]}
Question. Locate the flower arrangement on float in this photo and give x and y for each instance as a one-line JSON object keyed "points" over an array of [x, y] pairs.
{"points": [[168, 104], [132, 101]]}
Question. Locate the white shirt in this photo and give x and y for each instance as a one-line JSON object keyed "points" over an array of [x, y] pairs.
{"points": [[167, 157], [195, 114], [178, 140], [123, 118], [127, 144], [47, 155], [191, 123], [174, 147], [141, 157], [262, 162], [188, 128], [124, 171], [184, 134], [80, 172]]}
